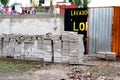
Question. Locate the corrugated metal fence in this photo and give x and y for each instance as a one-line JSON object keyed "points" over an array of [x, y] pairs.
{"points": [[100, 28]]}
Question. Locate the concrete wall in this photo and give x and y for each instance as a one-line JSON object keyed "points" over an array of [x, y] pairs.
{"points": [[31, 24]]}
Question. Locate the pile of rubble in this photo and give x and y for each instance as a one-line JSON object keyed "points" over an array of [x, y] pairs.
{"points": [[82, 73]]}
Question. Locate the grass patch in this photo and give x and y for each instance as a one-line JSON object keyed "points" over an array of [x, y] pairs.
{"points": [[15, 66]]}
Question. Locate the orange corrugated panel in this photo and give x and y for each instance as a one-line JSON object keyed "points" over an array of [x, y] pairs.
{"points": [[116, 31], [119, 30]]}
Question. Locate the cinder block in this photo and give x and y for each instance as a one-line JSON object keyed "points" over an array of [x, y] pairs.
{"points": [[40, 55], [65, 59], [12, 40], [57, 51], [74, 54], [74, 60], [17, 48], [57, 44], [48, 58], [22, 38], [39, 41], [46, 42], [47, 48], [40, 37], [65, 45], [101, 55], [74, 49], [74, 37], [40, 44], [28, 44], [28, 38], [6, 39], [56, 37], [5, 44], [73, 43], [58, 55], [57, 59], [65, 37], [110, 55], [65, 52]]}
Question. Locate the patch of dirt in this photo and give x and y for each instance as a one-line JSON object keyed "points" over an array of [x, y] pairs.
{"points": [[101, 70]]}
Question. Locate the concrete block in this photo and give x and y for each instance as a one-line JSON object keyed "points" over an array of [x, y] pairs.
{"points": [[6, 39], [74, 60], [58, 55], [28, 44], [22, 38], [34, 37], [40, 44], [73, 43], [11, 44], [74, 54], [17, 48], [46, 37], [40, 55], [12, 40], [57, 59], [57, 44], [46, 42], [17, 55], [110, 55], [56, 37], [5, 44], [57, 50], [47, 48], [65, 37], [4, 55], [28, 38], [65, 59], [40, 37], [74, 49], [11, 49], [65, 52], [101, 55], [39, 41], [74, 37], [48, 58], [65, 45]]}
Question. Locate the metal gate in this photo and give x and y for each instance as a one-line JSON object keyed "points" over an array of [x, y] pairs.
{"points": [[99, 32], [115, 31]]}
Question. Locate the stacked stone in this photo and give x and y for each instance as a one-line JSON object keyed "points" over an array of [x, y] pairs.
{"points": [[47, 48], [30, 48], [57, 48], [6, 41], [40, 46], [18, 47], [40, 42], [76, 49], [65, 48]]}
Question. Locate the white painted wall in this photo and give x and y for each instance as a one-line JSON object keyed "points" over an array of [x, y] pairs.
{"points": [[29, 26]]}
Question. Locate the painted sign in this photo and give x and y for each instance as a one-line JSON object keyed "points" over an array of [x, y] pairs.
{"points": [[75, 19]]}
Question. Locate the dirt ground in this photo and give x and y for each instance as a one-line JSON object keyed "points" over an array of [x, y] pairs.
{"points": [[90, 70]]}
